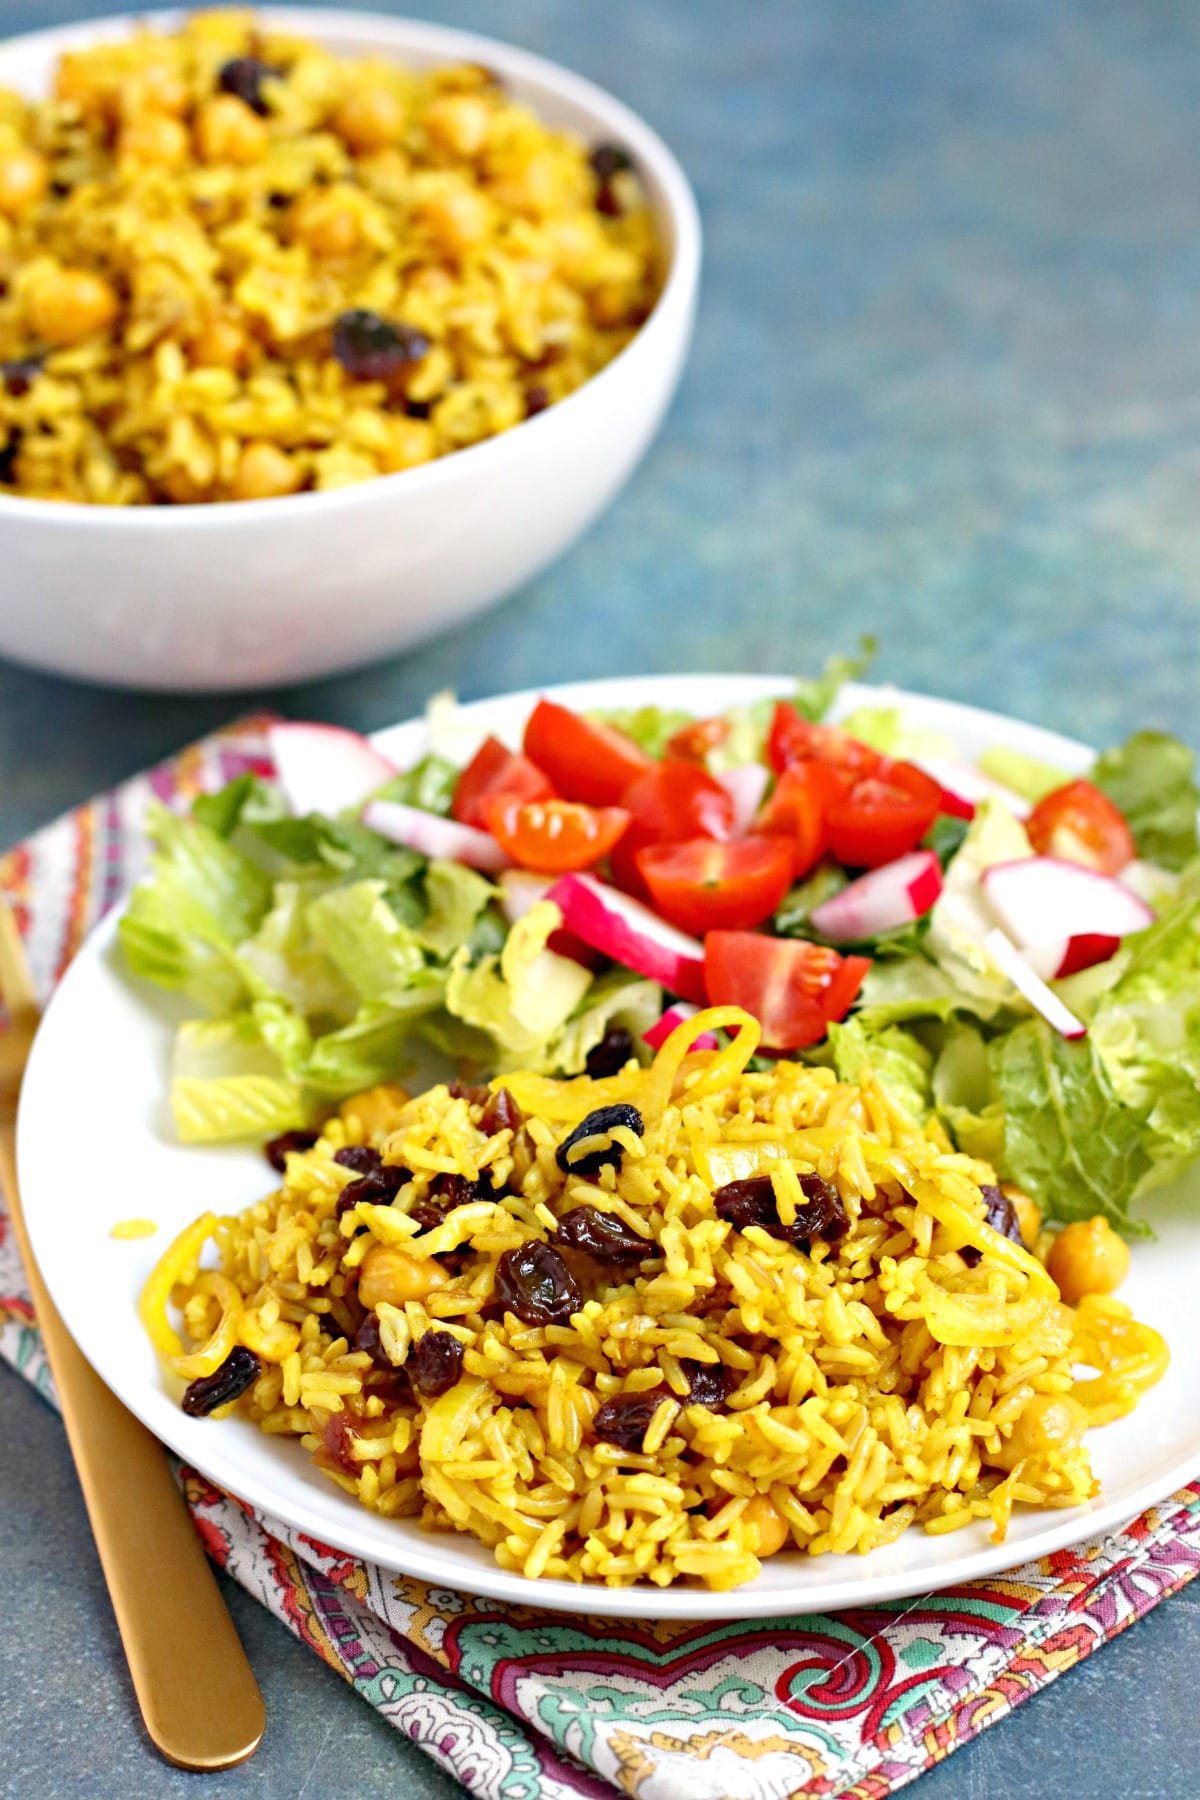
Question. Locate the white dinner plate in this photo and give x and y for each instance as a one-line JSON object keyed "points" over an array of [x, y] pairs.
{"points": [[95, 1146]]}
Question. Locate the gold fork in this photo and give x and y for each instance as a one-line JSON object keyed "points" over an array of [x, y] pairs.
{"points": [[197, 1692]]}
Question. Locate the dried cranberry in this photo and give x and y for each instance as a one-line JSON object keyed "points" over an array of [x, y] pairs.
{"points": [[537, 399], [625, 1419], [709, 1384], [373, 349], [501, 1113], [605, 1119], [238, 1372], [602, 1235], [20, 374], [1001, 1215], [279, 1148], [535, 1283], [608, 160], [359, 1157], [243, 77], [752, 1202], [436, 1363], [611, 1054]]}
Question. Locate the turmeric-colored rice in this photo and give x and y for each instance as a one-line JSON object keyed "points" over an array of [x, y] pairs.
{"points": [[872, 1381], [186, 218]]}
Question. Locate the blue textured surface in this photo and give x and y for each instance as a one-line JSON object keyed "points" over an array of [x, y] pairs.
{"points": [[946, 388]]}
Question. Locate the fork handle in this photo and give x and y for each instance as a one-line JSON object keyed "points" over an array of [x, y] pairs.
{"points": [[197, 1693]]}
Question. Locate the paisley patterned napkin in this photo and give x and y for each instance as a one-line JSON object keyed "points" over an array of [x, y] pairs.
{"points": [[523, 1705]]}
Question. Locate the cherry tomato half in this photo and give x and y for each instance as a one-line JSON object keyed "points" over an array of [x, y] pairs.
{"points": [[556, 836], [794, 989], [693, 742], [701, 885], [1080, 824], [798, 807], [793, 738], [495, 769], [672, 801], [584, 760], [883, 816]]}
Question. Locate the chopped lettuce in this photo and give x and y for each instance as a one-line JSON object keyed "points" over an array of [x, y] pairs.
{"points": [[283, 960], [226, 1083], [374, 952], [650, 727], [799, 904], [896, 1058], [965, 1094], [429, 784], [1151, 777], [524, 996], [887, 730], [960, 920], [455, 897], [1025, 775], [815, 695], [613, 999]]}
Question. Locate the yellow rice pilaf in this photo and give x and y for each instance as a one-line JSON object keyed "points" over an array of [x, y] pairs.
{"points": [[871, 1382], [187, 216]]}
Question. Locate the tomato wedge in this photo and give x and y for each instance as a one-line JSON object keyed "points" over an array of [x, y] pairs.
{"points": [[701, 885], [693, 742], [583, 759], [794, 989], [495, 769], [672, 801], [1080, 824], [793, 738], [797, 809], [883, 816], [556, 836]]}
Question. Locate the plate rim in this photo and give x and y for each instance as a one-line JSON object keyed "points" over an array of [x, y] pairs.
{"points": [[484, 1579]]}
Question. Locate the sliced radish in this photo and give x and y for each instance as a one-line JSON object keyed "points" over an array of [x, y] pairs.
{"points": [[674, 1016], [1010, 962], [521, 889], [631, 934], [432, 835], [963, 787], [1054, 961], [324, 769], [882, 900], [745, 786], [1043, 900]]}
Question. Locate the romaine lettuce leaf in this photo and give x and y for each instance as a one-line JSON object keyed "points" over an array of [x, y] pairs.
{"points": [[1151, 778], [1025, 775], [896, 1058], [961, 920], [226, 1083], [614, 999], [455, 896], [887, 730], [649, 726], [429, 784], [524, 996], [378, 956], [815, 695], [965, 1094], [283, 961]]}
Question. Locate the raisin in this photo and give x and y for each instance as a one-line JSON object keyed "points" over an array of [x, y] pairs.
{"points": [[238, 1372], [537, 399], [371, 348], [598, 1124], [436, 1363], [535, 1283], [602, 1235], [20, 374], [608, 160], [367, 1338], [243, 77], [608, 201], [1001, 1215], [501, 1113], [625, 1419], [359, 1157], [709, 1384], [277, 1151], [8, 458], [474, 1095], [611, 1054], [450, 1191], [417, 409], [752, 1202], [427, 1214], [377, 1187]]}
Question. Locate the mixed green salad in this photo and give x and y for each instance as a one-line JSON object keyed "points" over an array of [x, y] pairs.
{"points": [[1007, 947]]}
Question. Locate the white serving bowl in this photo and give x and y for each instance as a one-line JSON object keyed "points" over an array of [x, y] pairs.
{"points": [[259, 592]]}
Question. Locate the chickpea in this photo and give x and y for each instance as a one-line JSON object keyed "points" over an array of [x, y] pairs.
{"points": [[457, 217], [23, 179], [459, 122], [71, 305], [222, 344], [1029, 1214], [388, 1274], [228, 131], [767, 1530], [370, 118], [153, 138], [182, 487], [1050, 1425], [1088, 1258], [376, 1109], [325, 223], [264, 472], [159, 88]]}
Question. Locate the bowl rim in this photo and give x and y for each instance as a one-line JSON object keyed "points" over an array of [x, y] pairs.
{"points": [[674, 304]]}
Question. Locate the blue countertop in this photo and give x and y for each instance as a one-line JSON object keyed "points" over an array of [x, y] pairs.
{"points": [[945, 389]]}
